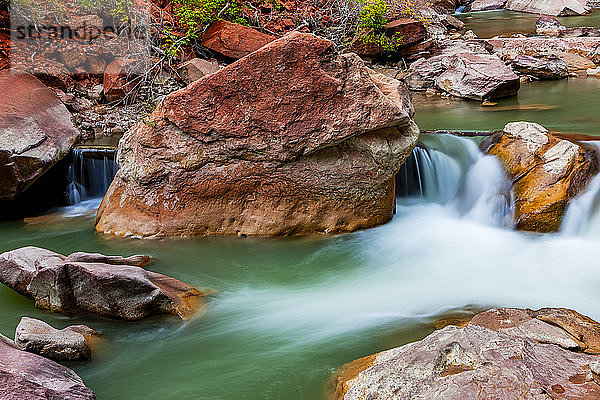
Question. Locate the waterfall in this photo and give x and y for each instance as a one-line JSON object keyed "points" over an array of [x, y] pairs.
{"points": [[90, 173], [453, 172]]}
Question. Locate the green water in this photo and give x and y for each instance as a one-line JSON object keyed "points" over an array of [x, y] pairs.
{"points": [[487, 24], [570, 106]]}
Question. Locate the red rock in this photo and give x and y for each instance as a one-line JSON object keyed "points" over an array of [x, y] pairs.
{"points": [[234, 40], [37, 132], [109, 286], [292, 139], [119, 80], [411, 31], [196, 68], [26, 376]]}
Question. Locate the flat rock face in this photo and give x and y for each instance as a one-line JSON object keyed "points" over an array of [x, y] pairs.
{"points": [[548, 172], [69, 344], [112, 287], [26, 376], [549, 7], [577, 53], [502, 354], [234, 40], [551, 67], [487, 5], [196, 68], [466, 74], [35, 132], [292, 139]]}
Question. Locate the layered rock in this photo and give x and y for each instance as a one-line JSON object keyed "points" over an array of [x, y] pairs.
{"points": [[402, 32], [577, 53], [474, 75], [549, 7], [500, 354], [486, 5], [27, 376], [550, 67], [73, 343], [292, 139], [36, 132], [547, 172], [549, 26], [109, 286], [234, 40]]}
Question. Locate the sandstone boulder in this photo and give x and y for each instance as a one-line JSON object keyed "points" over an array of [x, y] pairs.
{"points": [[36, 132], [549, 7], [467, 74], [292, 139], [593, 72], [500, 354], [547, 172], [26, 376], [119, 80], [234, 40], [550, 26], [73, 343], [403, 31], [112, 287], [551, 67], [196, 68], [486, 5]]}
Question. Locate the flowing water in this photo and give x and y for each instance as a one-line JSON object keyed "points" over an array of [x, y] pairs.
{"points": [[288, 312]]}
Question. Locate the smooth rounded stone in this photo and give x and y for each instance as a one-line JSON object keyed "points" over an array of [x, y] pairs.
{"points": [[73, 343], [234, 40], [547, 172], [551, 67], [477, 76], [293, 139], [27, 376], [36, 132], [559, 8], [501, 354], [109, 286]]}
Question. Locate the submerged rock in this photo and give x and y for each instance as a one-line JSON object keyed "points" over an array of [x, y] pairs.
{"points": [[500, 354], [112, 287], [234, 40], [26, 376], [547, 172], [550, 67], [73, 343], [476, 76], [292, 139], [36, 132], [559, 8]]}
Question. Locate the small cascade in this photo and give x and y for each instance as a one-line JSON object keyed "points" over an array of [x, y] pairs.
{"points": [[90, 173], [453, 172]]}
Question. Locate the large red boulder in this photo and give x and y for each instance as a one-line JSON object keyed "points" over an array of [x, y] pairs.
{"points": [[119, 80], [234, 40], [36, 132], [292, 139]]}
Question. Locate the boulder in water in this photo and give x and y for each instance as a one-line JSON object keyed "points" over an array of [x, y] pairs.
{"points": [[549, 26], [292, 139], [500, 354], [547, 172], [476, 76], [27, 376], [559, 8], [73, 343], [551, 67], [112, 287], [36, 132]]}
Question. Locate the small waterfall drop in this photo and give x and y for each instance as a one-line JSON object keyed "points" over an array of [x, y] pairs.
{"points": [[453, 172], [90, 173]]}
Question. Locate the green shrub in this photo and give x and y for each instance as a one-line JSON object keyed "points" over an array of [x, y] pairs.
{"points": [[372, 22]]}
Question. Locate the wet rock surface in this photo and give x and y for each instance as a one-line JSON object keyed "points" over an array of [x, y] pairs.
{"points": [[292, 139], [551, 67], [547, 172], [109, 286], [26, 376], [73, 343], [500, 354]]}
